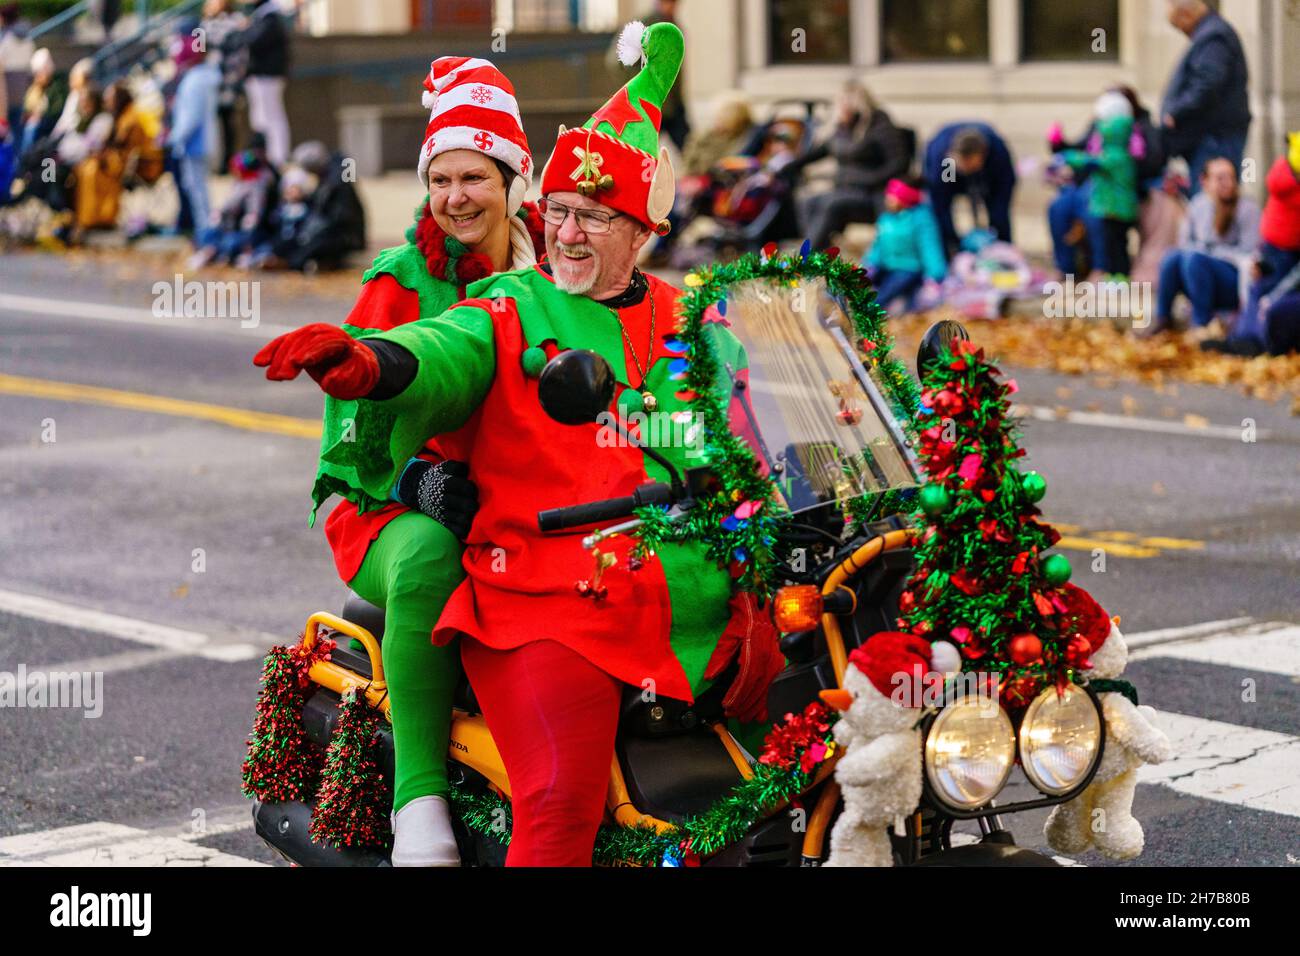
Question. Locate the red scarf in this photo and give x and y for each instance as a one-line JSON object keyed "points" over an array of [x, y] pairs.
{"points": [[463, 267]]}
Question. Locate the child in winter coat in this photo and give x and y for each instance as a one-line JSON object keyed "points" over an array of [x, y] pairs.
{"points": [[908, 250], [1114, 175], [1277, 265], [237, 226], [297, 186]]}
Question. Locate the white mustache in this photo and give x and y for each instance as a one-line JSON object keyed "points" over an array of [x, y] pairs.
{"points": [[583, 249]]}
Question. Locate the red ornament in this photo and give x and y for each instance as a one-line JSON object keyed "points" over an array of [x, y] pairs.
{"points": [[1077, 651], [906, 602], [1019, 693], [1026, 648]]}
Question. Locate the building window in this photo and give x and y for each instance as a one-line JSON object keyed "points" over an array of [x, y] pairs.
{"points": [[1069, 29], [915, 31], [808, 31]]}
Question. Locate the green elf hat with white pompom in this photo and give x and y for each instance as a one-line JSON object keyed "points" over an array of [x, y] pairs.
{"points": [[616, 158]]}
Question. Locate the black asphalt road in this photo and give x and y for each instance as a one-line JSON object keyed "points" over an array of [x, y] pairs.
{"points": [[110, 514]]}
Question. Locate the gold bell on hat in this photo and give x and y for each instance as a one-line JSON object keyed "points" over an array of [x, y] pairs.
{"points": [[606, 182], [586, 188]]}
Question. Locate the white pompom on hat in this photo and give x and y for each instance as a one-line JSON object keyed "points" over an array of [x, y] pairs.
{"points": [[472, 106]]}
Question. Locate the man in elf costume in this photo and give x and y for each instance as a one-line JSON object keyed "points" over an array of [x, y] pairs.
{"points": [[546, 652], [475, 167]]}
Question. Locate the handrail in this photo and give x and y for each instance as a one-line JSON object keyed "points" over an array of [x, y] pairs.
{"points": [[59, 19], [149, 26]]}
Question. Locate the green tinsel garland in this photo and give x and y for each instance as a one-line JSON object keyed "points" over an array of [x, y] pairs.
{"points": [[752, 543], [704, 834]]}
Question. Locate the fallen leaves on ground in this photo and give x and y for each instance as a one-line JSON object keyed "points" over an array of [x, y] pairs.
{"points": [[1097, 348]]}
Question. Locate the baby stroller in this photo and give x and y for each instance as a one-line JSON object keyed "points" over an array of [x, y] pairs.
{"points": [[751, 202]]}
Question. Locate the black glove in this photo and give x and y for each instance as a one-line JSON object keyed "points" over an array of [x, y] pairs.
{"points": [[443, 491]]}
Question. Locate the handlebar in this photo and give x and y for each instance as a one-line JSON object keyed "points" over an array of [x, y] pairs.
{"points": [[576, 516]]}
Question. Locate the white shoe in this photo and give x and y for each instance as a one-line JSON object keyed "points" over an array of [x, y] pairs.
{"points": [[422, 834]]}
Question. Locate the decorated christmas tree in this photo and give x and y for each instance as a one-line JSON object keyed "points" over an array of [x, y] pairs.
{"points": [[984, 582]]}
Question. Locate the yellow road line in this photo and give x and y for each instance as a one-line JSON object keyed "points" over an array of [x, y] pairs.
{"points": [[139, 401], [1115, 548], [1175, 544]]}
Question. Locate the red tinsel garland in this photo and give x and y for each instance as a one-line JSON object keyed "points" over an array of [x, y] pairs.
{"points": [[282, 762]]}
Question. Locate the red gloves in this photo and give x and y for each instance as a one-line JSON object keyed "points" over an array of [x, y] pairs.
{"points": [[752, 640], [341, 365]]}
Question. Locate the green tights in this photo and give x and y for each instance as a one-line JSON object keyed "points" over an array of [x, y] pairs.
{"points": [[410, 571]]}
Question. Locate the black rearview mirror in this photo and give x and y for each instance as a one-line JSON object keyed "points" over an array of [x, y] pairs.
{"points": [[940, 336]]}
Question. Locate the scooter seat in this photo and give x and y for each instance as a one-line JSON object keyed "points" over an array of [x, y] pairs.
{"points": [[364, 614]]}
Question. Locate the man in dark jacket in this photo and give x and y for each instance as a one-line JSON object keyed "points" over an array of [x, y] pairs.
{"points": [[267, 41], [1206, 112], [869, 151], [972, 160]]}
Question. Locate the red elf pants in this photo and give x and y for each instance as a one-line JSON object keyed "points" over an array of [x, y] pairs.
{"points": [[553, 715]]}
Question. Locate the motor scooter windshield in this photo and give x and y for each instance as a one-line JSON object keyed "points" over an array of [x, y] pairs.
{"points": [[816, 417]]}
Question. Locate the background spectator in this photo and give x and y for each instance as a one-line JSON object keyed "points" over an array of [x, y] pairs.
{"points": [[907, 250], [43, 101], [334, 224], [1277, 267], [1073, 228], [869, 151], [1206, 112], [267, 42], [1113, 180], [131, 153], [78, 81], [15, 60], [221, 27], [106, 14], [240, 224], [1215, 246], [192, 138], [972, 160]]}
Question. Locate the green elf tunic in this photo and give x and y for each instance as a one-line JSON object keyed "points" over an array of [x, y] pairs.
{"points": [[659, 623], [418, 280]]}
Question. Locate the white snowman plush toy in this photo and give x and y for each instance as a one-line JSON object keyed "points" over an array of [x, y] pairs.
{"points": [[1102, 816], [880, 774]]}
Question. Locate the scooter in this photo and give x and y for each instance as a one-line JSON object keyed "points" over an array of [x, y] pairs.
{"points": [[674, 759]]}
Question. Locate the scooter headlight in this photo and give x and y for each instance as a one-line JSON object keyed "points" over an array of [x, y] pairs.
{"points": [[1060, 740], [969, 752]]}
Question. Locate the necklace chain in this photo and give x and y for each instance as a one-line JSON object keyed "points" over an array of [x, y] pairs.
{"points": [[643, 372]]}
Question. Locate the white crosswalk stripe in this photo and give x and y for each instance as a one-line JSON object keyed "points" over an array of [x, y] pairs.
{"points": [[1226, 762], [112, 844]]}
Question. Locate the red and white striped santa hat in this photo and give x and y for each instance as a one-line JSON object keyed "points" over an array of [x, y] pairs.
{"points": [[473, 107]]}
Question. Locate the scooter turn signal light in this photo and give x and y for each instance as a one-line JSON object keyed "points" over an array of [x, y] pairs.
{"points": [[797, 608]]}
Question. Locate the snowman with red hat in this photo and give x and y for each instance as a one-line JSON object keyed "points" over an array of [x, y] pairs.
{"points": [[1102, 816], [880, 774]]}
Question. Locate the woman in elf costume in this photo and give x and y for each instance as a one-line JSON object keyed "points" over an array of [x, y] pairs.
{"points": [[551, 633], [476, 167]]}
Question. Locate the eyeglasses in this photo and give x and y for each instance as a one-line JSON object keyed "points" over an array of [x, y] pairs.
{"points": [[591, 221]]}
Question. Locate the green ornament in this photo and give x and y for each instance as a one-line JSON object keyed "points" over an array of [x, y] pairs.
{"points": [[934, 500], [1034, 484], [533, 360], [630, 401], [1056, 569]]}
